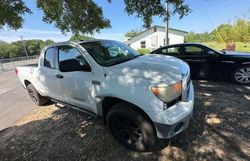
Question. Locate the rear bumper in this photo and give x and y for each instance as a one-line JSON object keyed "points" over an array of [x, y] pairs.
{"points": [[178, 115]]}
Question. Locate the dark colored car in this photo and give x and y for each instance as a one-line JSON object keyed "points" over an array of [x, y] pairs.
{"points": [[208, 63]]}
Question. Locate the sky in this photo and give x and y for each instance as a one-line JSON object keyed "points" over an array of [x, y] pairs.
{"points": [[206, 15]]}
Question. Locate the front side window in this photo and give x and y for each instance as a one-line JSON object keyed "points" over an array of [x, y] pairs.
{"points": [[49, 58], [70, 59], [171, 50], [108, 53]]}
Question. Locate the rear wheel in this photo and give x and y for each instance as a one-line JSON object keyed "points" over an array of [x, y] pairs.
{"points": [[35, 96], [241, 75], [130, 127]]}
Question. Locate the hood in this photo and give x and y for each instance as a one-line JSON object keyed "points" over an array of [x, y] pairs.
{"points": [[237, 54], [156, 67]]}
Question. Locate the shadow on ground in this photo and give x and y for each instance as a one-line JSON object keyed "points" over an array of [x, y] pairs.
{"points": [[219, 131]]}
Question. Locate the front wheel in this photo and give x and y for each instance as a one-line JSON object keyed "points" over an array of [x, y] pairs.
{"points": [[130, 127], [241, 75]]}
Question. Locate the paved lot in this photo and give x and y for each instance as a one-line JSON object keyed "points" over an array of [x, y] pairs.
{"points": [[219, 131], [14, 101]]}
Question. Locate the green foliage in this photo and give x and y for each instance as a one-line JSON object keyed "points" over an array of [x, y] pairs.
{"points": [[147, 9], [80, 37], [132, 33], [3, 49], [240, 46], [77, 16], [239, 31], [85, 16], [195, 37], [143, 51], [15, 49], [12, 12]]}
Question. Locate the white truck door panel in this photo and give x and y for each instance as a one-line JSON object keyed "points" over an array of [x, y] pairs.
{"points": [[48, 72], [75, 88], [75, 83]]}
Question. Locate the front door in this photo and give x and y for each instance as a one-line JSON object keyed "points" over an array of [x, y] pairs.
{"points": [[75, 84]]}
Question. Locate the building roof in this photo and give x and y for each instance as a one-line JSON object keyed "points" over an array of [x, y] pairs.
{"points": [[156, 26]]}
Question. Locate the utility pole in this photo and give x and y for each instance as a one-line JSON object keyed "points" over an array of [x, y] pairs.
{"points": [[24, 47], [167, 21]]}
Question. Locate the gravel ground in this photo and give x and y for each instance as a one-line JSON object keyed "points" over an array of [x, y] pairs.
{"points": [[219, 131]]}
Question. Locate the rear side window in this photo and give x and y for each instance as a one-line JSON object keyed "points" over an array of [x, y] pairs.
{"points": [[193, 50], [171, 50], [49, 58]]}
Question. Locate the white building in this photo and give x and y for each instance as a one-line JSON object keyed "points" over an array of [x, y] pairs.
{"points": [[154, 38]]}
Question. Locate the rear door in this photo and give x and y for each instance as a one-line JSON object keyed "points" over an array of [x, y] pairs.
{"points": [[172, 51], [75, 85], [195, 56], [48, 70]]}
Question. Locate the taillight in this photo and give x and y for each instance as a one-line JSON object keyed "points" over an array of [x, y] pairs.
{"points": [[16, 70]]}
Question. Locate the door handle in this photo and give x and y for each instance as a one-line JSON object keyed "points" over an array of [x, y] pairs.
{"points": [[195, 60], [95, 82], [59, 76]]}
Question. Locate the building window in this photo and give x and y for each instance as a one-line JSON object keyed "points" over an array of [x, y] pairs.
{"points": [[143, 44]]}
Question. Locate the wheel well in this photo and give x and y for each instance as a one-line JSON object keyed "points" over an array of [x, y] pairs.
{"points": [[239, 66], [109, 102], [26, 83]]}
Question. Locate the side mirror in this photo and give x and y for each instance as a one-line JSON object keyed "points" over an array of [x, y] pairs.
{"points": [[210, 52], [72, 65]]}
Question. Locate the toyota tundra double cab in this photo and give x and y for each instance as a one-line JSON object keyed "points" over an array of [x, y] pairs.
{"points": [[141, 97]]}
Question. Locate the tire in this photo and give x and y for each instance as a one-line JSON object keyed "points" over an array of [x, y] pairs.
{"points": [[131, 128], [35, 96], [241, 75]]}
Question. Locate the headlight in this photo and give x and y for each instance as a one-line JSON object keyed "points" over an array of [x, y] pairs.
{"points": [[167, 93]]}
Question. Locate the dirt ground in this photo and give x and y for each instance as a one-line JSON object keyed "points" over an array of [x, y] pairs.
{"points": [[220, 130]]}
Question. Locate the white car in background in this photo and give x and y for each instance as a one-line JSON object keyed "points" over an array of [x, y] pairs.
{"points": [[140, 97]]}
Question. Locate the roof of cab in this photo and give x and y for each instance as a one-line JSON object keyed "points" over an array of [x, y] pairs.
{"points": [[75, 42]]}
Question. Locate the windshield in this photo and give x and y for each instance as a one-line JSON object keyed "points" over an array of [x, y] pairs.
{"points": [[108, 53]]}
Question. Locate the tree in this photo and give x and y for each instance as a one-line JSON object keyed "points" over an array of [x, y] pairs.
{"points": [[147, 9], [238, 31], [48, 42], [80, 37], [3, 49], [85, 16], [12, 12], [132, 33], [15, 49], [77, 16]]}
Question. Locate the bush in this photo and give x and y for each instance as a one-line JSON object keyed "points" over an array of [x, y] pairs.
{"points": [[143, 51]]}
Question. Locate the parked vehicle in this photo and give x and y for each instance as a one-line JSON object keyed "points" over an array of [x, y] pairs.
{"points": [[206, 62], [141, 98]]}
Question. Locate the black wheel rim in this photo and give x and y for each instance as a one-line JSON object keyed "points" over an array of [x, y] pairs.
{"points": [[127, 131], [32, 95]]}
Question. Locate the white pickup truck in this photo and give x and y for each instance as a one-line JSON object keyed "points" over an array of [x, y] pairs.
{"points": [[141, 97]]}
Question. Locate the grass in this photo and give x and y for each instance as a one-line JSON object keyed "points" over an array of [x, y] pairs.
{"points": [[240, 46]]}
